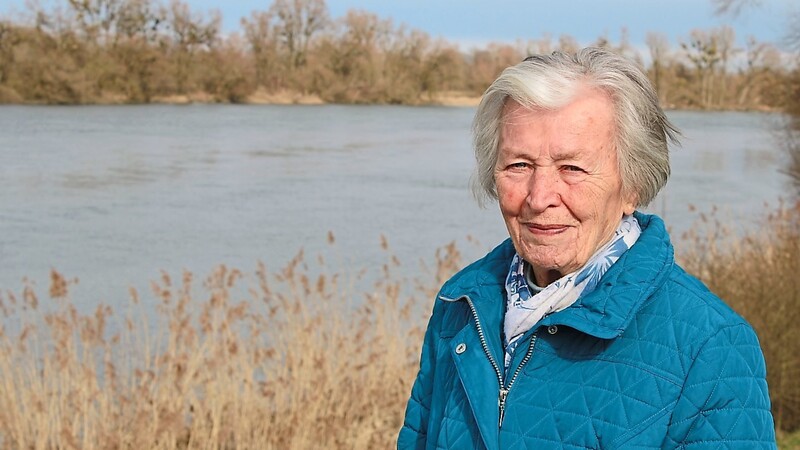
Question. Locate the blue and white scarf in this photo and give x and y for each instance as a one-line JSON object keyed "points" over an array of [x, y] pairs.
{"points": [[525, 309]]}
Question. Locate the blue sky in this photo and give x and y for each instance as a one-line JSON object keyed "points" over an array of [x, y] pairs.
{"points": [[476, 22], [480, 21]]}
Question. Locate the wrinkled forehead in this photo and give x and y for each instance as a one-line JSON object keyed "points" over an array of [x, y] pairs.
{"points": [[583, 128]]}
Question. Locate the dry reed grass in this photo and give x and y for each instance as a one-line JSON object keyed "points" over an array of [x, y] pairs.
{"points": [[301, 361], [756, 273], [300, 357]]}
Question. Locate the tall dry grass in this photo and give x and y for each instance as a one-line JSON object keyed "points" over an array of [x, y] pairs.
{"points": [[757, 272], [304, 356], [299, 361]]}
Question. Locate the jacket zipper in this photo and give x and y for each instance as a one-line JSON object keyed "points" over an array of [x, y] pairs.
{"points": [[504, 387], [504, 391]]}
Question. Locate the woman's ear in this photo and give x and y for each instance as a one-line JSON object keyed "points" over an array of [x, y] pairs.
{"points": [[629, 203]]}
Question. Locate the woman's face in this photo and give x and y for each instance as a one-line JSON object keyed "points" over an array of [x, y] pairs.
{"points": [[558, 182]]}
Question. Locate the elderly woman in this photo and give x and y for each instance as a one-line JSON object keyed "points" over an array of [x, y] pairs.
{"points": [[581, 331]]}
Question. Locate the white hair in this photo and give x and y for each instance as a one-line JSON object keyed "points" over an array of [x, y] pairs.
{"points": [[551, 82]]}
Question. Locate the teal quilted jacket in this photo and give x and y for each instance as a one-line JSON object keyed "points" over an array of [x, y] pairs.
{"points": [[650, 360]]}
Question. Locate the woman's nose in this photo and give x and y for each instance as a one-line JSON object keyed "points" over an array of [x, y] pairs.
{"points": [[543, 189]]}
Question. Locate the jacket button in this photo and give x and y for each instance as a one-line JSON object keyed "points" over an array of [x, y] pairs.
{"points": [[461, 348], [552, 329]]}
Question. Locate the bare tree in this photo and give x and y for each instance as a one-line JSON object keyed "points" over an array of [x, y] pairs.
{"points": [[703, 50], [625, 48], [356, 58], [658, 46], [9, 39], [190, 33], [725, 38], [141, 20], [297, 22], [760, 57], [137, 38], [97, 18], [568, 44], [541, 46], [440, 68], [486, 64], [793, 31], [261, 36], [733, 7]]}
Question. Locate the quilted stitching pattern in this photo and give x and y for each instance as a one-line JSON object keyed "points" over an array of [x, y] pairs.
{"points": [[650, 360]]}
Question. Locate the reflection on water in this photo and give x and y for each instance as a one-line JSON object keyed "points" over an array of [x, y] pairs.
{"points": [[113, 194], [727, 160], [760, 159], [708, 161]]}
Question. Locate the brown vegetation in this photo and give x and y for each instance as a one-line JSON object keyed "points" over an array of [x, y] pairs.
{"points": [[756, 273], [139, 51], [298, 358], [300, 361]]}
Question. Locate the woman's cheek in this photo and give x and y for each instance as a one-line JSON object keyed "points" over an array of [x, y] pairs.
{"points": [[510, 191], [510, 201]]}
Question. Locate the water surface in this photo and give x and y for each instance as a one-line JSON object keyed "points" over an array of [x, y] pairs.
{"points": [[114, 194]]}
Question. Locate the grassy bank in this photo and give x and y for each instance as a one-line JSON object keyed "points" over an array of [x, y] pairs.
{"points": [[296, 357]]}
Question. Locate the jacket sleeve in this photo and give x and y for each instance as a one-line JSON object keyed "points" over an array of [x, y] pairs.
{"points": [[724, 403], [414, 433]]}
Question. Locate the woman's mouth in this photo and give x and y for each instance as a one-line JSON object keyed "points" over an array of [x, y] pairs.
{"points": [[545, 229]]}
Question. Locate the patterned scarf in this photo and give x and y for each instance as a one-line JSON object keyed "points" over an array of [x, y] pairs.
{"points": [[524, 309]]}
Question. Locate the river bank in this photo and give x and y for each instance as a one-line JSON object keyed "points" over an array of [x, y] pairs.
{"points": [[288, 97], [258, 97]]}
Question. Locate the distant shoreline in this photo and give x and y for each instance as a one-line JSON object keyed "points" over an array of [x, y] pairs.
{"points": [[259, 97], [285, 97]]}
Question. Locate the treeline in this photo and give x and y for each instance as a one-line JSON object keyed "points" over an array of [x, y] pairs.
{"points": [[140, 51]]}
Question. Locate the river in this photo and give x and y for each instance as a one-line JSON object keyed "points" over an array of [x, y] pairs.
{"points": [[114, 194]]}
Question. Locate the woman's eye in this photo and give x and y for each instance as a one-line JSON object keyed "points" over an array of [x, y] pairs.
{"points": [[518, 165], [572, 169]]}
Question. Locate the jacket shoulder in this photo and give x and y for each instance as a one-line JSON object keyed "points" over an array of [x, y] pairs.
{"points": [[693, 302], [724, 400], [489, 270]]}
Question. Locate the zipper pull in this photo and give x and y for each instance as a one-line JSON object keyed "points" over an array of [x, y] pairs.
{"points": [[501, 403]]}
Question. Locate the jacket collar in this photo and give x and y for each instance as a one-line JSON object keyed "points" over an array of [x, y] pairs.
{"points": [[604, 313], [624, 289], [484, 283]]}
